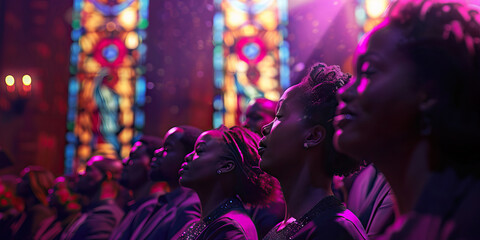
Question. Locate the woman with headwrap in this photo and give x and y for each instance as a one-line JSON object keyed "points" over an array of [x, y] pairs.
{"points": [[224, 171]]}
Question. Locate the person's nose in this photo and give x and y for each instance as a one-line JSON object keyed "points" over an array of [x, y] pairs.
{"points": [[266, 129], [189, 157], [348, 92], [159, 152]]}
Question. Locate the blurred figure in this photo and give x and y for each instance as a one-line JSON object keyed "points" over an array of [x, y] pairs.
{"points": [[297, 149], [371, 199], [33, 188], [260, 112], [136, 168], [99, 185], [10, 204], [413, 111], [223, 170], [66, 203], [107, 101], [181, 206]]}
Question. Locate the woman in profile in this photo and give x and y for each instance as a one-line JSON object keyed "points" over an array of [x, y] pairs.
{"points": [[223, 170], [413, 110], [297, 149], [33, 188]]}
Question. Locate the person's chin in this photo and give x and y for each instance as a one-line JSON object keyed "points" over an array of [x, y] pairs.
{"points": [[344, 140], [350, 144], [186, 181], [183, 181], [338, 138]]}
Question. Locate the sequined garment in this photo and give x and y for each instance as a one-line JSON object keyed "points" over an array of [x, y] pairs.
{"points": [[198, 227], [291, 229]]}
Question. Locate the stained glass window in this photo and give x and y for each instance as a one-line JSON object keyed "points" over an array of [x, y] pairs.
{"points": [[250, 55], [107, 86]]}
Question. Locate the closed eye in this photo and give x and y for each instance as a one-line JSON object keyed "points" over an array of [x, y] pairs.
{"points": [[368, 73]]}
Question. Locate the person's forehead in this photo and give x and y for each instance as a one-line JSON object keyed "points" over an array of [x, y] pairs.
{"points": [[138, 151], [210, 135], [382, 42], [173, 135], [267, 104], [98, 165], [60, 179], [136, 146], [263, 105], [289, 96], [95, 160]]}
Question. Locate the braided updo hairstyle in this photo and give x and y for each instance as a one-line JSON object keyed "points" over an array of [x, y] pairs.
{"points": [[254, 186], [442, 38], [319, 88]]}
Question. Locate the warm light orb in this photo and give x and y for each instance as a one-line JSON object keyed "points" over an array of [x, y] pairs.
{"points": [[27, 80], [9, 80], [375, 8], [234, 18], [128, 19], [132, 40]]}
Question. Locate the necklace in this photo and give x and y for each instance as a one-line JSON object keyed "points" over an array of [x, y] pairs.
{"points": [[198, 227], [292, 228]]}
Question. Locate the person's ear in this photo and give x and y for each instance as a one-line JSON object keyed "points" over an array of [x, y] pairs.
{"points": [[226, 166], [315, 135]]}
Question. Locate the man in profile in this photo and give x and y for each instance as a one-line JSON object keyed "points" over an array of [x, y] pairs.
{"points": [[181, 206], [136, 168], [100, 187]]}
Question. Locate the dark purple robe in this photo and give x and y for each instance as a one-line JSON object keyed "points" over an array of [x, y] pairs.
{"points": [[172, 214]]}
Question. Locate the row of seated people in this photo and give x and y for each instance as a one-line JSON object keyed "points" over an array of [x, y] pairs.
{"points": [[411, 113], [196, 185]]}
